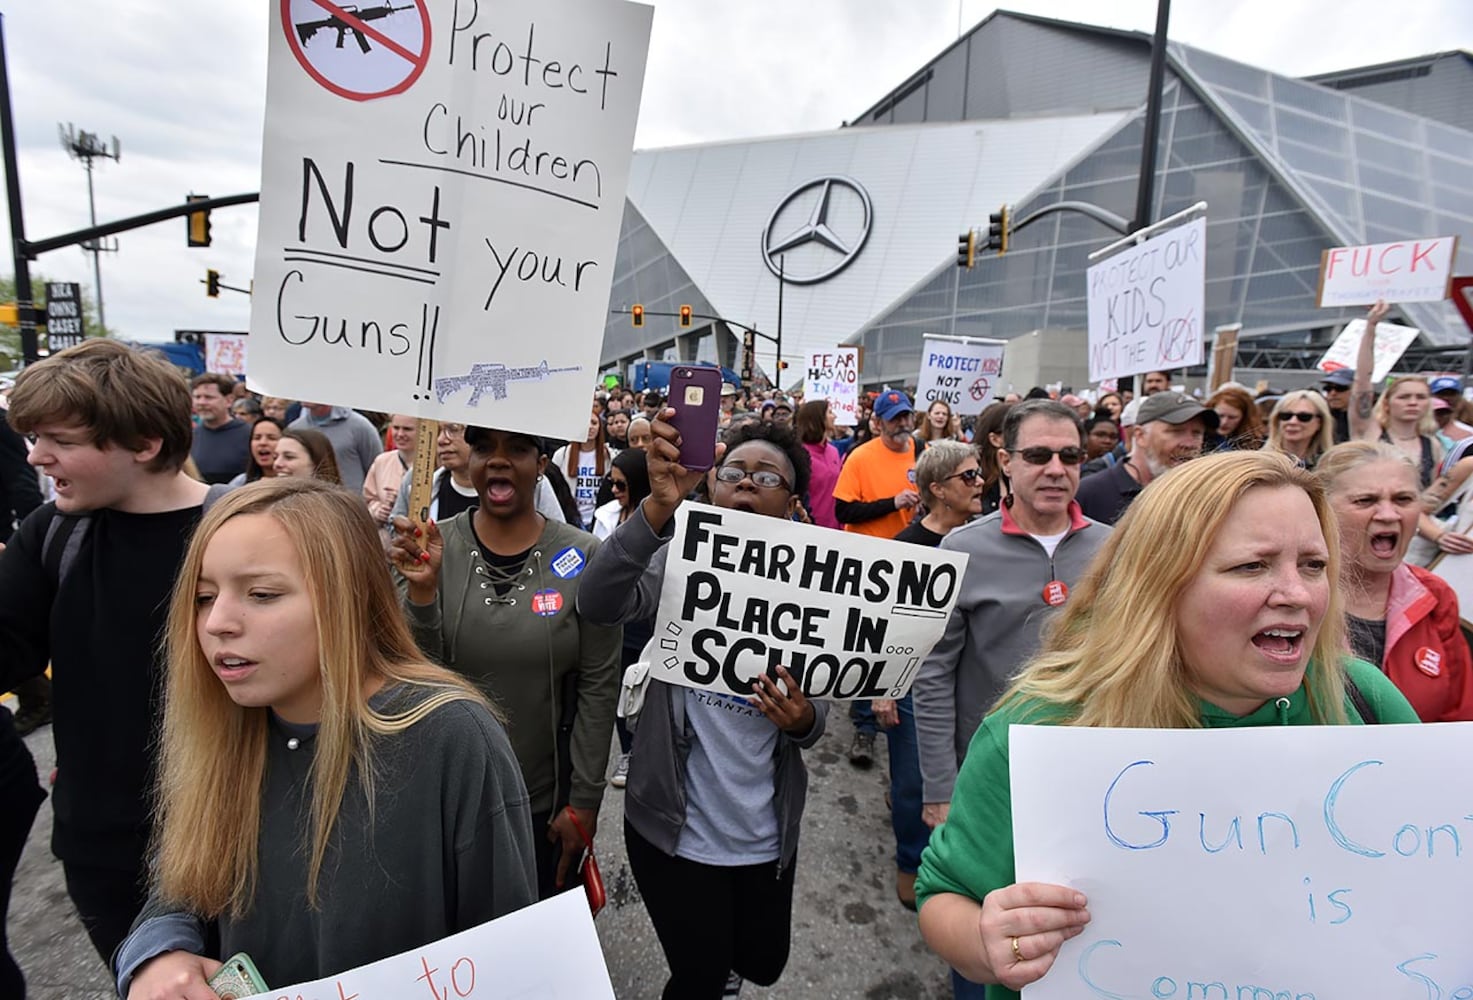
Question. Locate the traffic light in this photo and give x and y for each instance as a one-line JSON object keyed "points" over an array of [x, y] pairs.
{"points": [[198, 232], [636, 316], [966, 249], [9, 314], [782, 366], [685, 315], [997, 231], [212, 283]]}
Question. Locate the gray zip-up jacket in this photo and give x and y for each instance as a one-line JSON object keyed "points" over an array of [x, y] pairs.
{"points": [[992, 632], [624, 580]]}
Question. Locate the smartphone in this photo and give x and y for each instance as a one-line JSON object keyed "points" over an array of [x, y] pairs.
{"points": [[238, 978], [695, 393]]}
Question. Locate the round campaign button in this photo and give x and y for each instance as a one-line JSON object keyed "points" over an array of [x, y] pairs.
{"points": [[1429, 661], [1055, 593]]}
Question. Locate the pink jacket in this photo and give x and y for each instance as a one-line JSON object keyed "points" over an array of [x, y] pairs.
{"points": [[1427, 657]]}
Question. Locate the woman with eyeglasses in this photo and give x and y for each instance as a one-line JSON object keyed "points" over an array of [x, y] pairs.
{"points": [[949, 477], [491, 594], [1300, 427], [716, 783]]}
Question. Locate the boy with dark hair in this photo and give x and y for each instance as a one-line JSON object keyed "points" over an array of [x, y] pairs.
{"points": [[84, 584]]}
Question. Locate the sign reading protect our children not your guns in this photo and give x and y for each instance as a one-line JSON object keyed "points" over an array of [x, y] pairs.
{"points": [[849, 616], [1405, 271], [1303, 862], [442, 187], [1145, 304], [548, 950]]}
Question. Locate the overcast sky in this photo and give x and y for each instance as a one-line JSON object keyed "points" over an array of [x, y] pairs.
{"points": [[182, 86]]}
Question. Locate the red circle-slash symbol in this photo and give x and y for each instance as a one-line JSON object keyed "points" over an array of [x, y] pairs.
{"points": [[359, 52], [979, 389]]}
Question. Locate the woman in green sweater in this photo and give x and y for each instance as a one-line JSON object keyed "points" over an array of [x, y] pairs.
{"points": [[1215, 609]]}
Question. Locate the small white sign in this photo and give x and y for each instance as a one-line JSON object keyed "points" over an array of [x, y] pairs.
{"points": [[1391, 343], [548, 950], [962, 373], [1146, 304], [834, 375], [226, 353], [849, 616], [1406, 271], [1316, 861], [442, 186]]}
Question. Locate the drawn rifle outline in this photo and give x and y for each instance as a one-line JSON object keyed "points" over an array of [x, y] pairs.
{"points": [[493, 376], [310, 28]]}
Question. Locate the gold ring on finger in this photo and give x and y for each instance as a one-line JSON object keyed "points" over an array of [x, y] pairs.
{"points": [[1017, 953]]}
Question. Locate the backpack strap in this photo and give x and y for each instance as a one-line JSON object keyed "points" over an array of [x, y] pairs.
{"points": [[64, 536], [1361, 702]]}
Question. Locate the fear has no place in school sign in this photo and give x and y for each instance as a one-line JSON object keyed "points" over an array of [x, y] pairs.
{"points": [[442, 185]]}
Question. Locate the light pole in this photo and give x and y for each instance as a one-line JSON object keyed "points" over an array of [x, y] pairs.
{"points": [[86, 146]]}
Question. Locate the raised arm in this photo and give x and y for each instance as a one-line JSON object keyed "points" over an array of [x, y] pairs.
{"points": [[1363, 423]]}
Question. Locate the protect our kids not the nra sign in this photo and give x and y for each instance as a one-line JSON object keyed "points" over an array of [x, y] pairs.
{"points": [[1300, 862], [442, 188], [849, 616]]}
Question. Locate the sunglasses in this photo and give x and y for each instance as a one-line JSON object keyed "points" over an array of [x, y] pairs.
{"points": [[1334, 388], [1042, 456], [618, 485], [1303, 418], [761, 477], [969, 477]]}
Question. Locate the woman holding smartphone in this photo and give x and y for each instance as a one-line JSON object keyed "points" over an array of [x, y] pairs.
{"points": [[325, 795]]}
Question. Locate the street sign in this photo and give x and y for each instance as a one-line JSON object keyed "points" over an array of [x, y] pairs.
{"points": [[63, 315]]}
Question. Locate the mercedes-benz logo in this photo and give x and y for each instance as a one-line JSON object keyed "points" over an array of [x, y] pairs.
{"points": [[836, 224]]}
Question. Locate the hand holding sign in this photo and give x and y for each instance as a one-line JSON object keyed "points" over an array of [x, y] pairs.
{"points": [[174, 974], [419, 566], [785, 706]]}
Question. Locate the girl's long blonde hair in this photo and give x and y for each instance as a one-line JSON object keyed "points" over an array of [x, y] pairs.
{"points": [[1426, 426], [213, 751], [1113, 658], [1324, 440]]}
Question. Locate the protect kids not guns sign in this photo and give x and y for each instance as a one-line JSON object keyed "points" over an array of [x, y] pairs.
{"points": [[442, 188], [849, 616]]}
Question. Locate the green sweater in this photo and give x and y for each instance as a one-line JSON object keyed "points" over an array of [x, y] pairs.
{"points": [[533, 655], [971, 854]]}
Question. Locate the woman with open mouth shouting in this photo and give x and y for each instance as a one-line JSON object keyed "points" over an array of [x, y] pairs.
{"points": [[1401, 617], [490, 593], [1226, 571]]}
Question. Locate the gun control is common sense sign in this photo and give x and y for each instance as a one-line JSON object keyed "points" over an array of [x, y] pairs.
{"points": [[442, 186], [1145, 304], [848, 616], [1263, 863]]}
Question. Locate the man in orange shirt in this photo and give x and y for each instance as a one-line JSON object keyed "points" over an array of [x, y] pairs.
{"points": [[876, 493]]}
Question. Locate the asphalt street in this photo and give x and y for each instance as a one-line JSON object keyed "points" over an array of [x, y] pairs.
{"points": [[851, 938]]}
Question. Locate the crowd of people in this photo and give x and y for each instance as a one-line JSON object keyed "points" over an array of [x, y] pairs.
{"points": [[270, 632]]}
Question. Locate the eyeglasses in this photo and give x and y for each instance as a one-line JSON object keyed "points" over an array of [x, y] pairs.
{"points": [[1328, 387], [760, 477], [618, 485], [1303, 418], [970, 476], [453, 430], [1042, 456]]}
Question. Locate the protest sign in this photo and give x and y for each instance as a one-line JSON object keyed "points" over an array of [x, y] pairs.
{"points": [[440, 205], [63, 315], [849, 616], [1409, 271], [1261, 863], [834, 375], [225, 353], [1145, 304], [1391, 342], [548, 950], [961, 371]]}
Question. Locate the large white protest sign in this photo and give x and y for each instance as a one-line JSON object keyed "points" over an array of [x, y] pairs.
{"points": [[1391, 343], [1262, 863], [961, 371], [1145, 304], [548, 950], [1407, 271], [441, 199], [834, 375], [849, 616]]}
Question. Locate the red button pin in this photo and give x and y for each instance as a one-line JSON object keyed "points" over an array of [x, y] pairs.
{"points": [[1055, 593]]}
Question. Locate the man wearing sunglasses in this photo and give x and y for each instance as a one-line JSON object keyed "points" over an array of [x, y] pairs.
{"points": [[1169, 431], [1336, 388], [1023, 560]]}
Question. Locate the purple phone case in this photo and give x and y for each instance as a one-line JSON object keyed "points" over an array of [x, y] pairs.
{"points": [[696, 423]]}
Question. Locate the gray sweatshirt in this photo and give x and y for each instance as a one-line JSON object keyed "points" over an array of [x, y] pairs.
{"points": [[448, 846], [992, 632]]}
